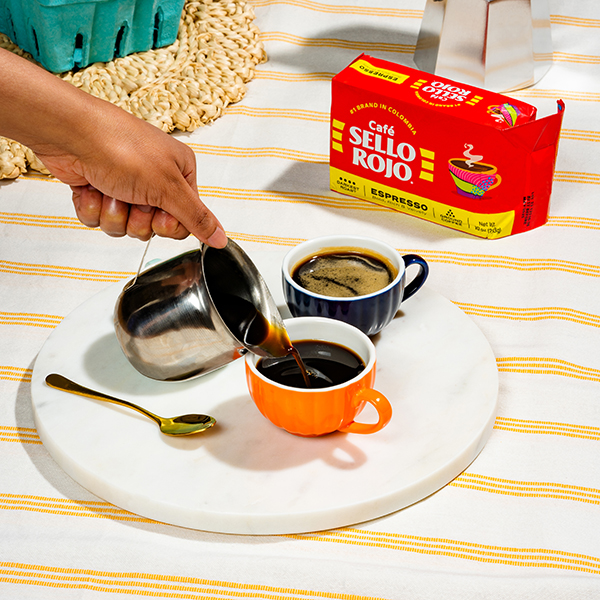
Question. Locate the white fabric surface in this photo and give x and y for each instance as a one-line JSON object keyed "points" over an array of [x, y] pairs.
{"points": [[521, 522]]}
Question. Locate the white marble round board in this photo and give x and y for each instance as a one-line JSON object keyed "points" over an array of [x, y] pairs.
{"points": [[245, 475]]}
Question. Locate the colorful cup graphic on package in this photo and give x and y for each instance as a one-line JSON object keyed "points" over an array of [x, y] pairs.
{"points": [[505, 113], [472, 177]]}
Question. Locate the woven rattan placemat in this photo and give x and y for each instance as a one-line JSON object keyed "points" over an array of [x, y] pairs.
{"points": [[182, 86]]}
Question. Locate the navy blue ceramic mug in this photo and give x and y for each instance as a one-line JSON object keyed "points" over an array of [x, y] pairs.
{"points": [[323, 277]]}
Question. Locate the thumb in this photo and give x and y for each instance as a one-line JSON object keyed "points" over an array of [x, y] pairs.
{"points": [[191, 212], [202, 224]]}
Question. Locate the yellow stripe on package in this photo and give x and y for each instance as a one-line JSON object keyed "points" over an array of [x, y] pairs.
{"points": [[466, 158]]}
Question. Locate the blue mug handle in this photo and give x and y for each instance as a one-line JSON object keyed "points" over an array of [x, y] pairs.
{"points": [[416, 284]]}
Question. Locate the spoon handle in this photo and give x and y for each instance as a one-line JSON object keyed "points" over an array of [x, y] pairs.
{"points": [[59, 382]]}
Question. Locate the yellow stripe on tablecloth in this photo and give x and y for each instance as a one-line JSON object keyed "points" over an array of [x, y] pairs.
{"points": [[236, 152], [19, 268], [557, 94], [577, 222], [574, 21], [279, 113], [486, 553], [15, 373], [66, 507], [529, 489], [29, 319], [35, 176], [589, 59], [507, 262], [577, 177], [529, 426], [530, 314], [42, 220], [541, 56], [152, 584], [547, 366], [266, 239], [342, 9], [580, 134], [24, 435], [398, 13], [293, 77], [304, 42], [292, 197]]}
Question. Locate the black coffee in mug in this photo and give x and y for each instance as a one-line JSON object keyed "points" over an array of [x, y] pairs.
{"points": [[474, 167], [328, 364], [344, 273]]}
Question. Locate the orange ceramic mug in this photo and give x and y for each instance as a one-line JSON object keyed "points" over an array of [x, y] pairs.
{"points": [[317, 411]]}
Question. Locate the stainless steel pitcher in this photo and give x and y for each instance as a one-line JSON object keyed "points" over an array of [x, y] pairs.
{"points": [[196, 312], [499, 45]]}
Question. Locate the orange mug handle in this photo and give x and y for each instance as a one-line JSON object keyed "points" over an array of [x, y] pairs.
{"points": [[382, 406], [496, 183]]}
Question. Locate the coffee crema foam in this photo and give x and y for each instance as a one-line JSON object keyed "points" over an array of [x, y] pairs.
{"points": [[343, 274]]}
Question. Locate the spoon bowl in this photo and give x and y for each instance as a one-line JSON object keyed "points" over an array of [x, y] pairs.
{"points": [[175, 426]]}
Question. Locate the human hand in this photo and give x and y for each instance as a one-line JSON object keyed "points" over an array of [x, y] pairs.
{"points": [[127, 176], [132, 179]]}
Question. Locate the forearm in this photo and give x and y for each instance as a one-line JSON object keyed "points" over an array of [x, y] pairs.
{"points": [[39, 110]]}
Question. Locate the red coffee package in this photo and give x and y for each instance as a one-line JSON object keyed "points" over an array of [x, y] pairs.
{"points": [[453, 154]]}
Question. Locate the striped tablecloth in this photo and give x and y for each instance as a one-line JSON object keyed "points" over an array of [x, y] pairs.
{"points": [[522, 521]]}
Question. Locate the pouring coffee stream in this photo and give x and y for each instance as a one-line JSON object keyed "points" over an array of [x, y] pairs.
{"points": [[250, 326], [243, 318]]}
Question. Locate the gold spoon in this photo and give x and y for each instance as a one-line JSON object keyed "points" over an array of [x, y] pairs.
{"points": [[183, 425]]}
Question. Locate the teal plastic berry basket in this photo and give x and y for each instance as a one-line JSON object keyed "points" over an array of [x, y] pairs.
{"points": [[67, 34]]}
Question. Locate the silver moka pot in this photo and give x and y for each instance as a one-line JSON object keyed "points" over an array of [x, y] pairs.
{"points": [[499, 45]]}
